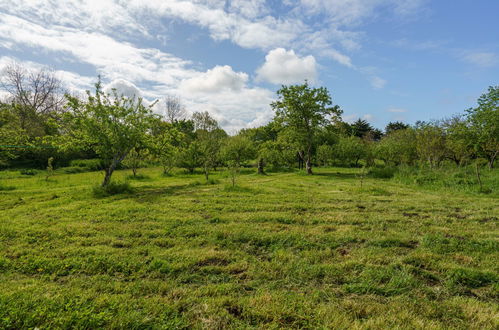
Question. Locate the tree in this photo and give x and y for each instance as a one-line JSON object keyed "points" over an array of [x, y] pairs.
{"points": [[36, 93], [458, 139], [395, 126], [165, 144], [303, 110], [209, 136], [430, 143], [111, 124], [398, 147], [235, 151], [325, 154], [349, 150], [174, 110], [360, 128], [11, 134], [484, 121]]}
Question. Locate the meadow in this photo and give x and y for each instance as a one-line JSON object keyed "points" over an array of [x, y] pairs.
{"points": [[276, 251]]}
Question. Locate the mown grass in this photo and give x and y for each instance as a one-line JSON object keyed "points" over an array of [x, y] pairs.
{"points": [[281, 250]]}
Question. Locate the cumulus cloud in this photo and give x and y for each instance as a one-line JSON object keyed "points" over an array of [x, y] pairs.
{"points": [[123, 87], [285, 67], [482, 59], [216, 79]]}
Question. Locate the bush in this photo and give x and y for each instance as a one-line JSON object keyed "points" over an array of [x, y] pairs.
{"points": [[73, 170], [28, 172], [112, 188], [88, 164], [382, 172]]}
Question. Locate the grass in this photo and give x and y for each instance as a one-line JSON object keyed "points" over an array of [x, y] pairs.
{"points": [[276, 251]]}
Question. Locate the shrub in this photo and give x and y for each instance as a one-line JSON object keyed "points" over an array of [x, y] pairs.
{"points": [[113, 188], [73, 170], [88, 164], [28, 172], [382, 172]]}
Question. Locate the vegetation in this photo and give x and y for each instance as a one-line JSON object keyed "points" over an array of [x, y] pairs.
{"points": [[281, 250], [401, 233]]}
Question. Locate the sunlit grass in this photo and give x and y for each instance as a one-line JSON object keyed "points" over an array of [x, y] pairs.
{"points": [[280, 250]]}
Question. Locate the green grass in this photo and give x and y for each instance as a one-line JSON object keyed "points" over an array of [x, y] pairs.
{"points": [[276, 251]]}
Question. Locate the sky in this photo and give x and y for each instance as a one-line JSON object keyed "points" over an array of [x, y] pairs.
{"points": [[381, 60]]}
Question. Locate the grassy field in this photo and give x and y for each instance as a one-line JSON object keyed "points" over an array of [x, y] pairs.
{"points": [[281, 250]]}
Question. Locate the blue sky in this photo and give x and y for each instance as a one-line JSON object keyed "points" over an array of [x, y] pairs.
{"points": [[382, 60]]}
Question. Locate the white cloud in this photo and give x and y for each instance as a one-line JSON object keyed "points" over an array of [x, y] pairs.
{"points": [[285, 67], [216, 79], [377, 82], [397, 110], [123, 87], [482, 59]]}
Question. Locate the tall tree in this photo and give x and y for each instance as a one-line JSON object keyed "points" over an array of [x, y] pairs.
{"points": [[111, 124], [485, 125], [36, 93], [174, 110], [303, 110], [395, 126]]}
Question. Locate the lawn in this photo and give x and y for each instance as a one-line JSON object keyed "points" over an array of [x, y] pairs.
{"points": [[281, 250]]}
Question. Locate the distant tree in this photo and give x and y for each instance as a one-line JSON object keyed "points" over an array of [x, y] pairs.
{"points": [[174, 110], [11, 134], [397, 147], [484, 121], [360, 128], [209, 137], [458, 139], [235, 151], [325, 154], [36, 94], [395, 126], [190, 157], [303, 110], [430, 143], [166, 143], [350, 150], [110, 124]]}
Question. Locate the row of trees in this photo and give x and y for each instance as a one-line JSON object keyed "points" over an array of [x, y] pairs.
{"points": [[40, 120]]}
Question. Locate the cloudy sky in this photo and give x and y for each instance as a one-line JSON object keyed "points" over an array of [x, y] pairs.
{"points": [[381, 60]]}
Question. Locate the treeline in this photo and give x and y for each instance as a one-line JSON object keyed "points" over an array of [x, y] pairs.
{"points": [[39, 121]]}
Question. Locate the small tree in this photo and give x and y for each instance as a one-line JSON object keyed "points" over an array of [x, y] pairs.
{"points": [[50, 168], [110, 124], [430, 143], [165, 145], [235, 151], [304, 110], [325, 154]]}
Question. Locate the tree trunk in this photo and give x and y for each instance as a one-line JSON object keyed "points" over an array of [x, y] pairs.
{"points": [[109, 171], [308, 163], [492, 159], [260, 166], [206, 174]]}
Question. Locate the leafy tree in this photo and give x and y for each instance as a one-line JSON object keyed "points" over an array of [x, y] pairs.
{"points": [[325, 154], [235, 151], [190, 157], [349, 150], [277, 154], [111, 124], [430, 143], [209, 136], [361, 127], [395, 126], [398, 147], [11, 134], [459, 139], [485, 125], [166, 143], [303, 110]]}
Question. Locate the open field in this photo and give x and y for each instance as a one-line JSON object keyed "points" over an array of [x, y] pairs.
{"points": [[281, 250]]}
